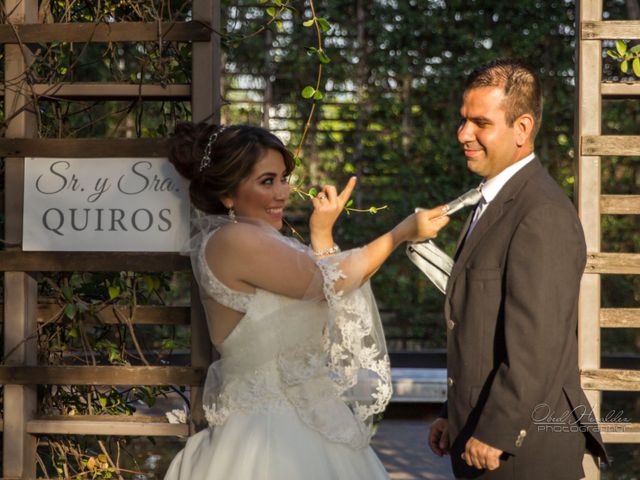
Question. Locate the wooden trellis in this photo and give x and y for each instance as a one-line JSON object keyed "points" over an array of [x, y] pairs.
{"points": [[592, 204], [20, 374]]}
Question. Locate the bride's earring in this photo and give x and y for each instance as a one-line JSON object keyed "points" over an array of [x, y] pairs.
{"points": [[232, 214]]}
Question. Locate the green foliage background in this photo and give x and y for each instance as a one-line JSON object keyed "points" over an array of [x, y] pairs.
{"points": [[390, 113]]}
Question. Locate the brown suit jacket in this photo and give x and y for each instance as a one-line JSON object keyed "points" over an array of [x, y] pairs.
{"points": [[512, 359]]}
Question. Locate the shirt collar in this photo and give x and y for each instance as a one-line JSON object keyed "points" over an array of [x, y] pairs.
{"points": [[490, 188]]}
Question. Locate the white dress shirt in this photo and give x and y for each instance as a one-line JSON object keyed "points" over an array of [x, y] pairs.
{"points": [[490, 188]]}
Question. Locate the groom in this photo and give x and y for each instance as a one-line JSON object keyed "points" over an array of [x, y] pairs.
{"points": [[515, 408]]}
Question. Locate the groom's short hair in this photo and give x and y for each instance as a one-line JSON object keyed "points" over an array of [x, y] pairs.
{"points": [[520, 85]]}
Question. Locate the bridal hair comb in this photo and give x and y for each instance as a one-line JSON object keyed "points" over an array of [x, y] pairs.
{"points": [[206, 159]]}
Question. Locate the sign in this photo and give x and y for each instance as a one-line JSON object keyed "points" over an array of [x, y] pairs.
{"points": [[104, 204]]}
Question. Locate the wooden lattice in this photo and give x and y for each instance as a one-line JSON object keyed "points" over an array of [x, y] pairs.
{"points": [[20, 374]]}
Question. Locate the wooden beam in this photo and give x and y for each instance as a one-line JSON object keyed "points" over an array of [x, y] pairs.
{"points": [[207, 65], [105, 32], [144, 315], [19, 261], [623, 145], [589, 122], [102, 375], [620, 432], [609, 379], [20, 402], [206, 61], [620, 317], [84, 147], [106, 425], [112, 91], [620, 204], [620, 89], [613, 263], [611, 30]]}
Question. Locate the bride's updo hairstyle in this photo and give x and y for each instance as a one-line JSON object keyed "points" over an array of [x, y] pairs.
{"points": [[234, 152]]}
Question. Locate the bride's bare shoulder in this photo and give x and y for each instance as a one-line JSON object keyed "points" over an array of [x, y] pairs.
{"points": [[236, 238]]}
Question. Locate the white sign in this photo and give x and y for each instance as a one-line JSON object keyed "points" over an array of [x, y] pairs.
{"points": [[104, 204]]}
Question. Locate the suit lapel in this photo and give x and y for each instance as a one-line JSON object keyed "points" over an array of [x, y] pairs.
{"points": [[492, 214], [463, 235]]}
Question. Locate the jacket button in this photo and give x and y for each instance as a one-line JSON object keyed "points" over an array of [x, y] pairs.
{"points": [[450, 324], [450, 381]]}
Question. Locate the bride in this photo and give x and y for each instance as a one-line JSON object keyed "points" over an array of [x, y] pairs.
{"points": [[303, 364]]}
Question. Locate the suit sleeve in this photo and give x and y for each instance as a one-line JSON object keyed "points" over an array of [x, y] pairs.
{"points": [[544, 264], [444, 410]]}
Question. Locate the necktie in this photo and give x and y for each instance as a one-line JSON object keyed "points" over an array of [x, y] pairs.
{"points": [[477, 213]]}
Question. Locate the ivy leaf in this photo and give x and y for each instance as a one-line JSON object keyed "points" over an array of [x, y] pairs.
{"points": [[297, 161], [349, 203], [323, 57], [613, 54], [103, 402], [67, 293], [324, 25], [621, 47], [635, 49], [624, 66], [271, 11], [308, 23], [636, 66], [313, 192], [73, 332], [311, 50], [278, 2], [114, 292], [70, 310], [308, 92], [318, 95]]}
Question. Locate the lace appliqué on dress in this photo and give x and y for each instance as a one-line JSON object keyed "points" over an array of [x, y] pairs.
{"points": [[353, 350], [257, 391], [222, 294]]}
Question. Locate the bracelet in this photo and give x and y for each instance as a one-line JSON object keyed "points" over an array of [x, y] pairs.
{"points": [[327, 251]]}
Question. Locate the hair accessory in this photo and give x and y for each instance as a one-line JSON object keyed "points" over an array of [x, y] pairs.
{"points": [[206, 160], [327, 251]]}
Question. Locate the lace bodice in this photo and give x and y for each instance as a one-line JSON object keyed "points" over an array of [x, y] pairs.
{"points": [[323, 358], [222, 294]]}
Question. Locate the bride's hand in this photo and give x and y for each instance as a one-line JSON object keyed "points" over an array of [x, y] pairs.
{"points": [[327, 206], [426, 224]]}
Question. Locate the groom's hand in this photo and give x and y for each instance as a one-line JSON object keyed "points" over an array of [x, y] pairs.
{"points": [[439, 436], [480, 455]]}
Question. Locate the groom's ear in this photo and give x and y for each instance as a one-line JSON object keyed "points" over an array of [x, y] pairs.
{"points": [[524, 126]]}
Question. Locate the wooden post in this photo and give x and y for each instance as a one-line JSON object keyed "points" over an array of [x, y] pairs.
{"points": [[206, 65], [589, 123], [205, 105], [20, 289]]}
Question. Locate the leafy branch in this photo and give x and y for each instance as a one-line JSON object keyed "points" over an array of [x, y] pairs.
{"points": [[314, 93], [626, 56]]}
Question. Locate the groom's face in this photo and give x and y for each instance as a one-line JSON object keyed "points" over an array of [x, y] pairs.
{"points": [[489, 143]]}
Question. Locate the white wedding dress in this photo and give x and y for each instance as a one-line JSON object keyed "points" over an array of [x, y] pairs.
{"points": [[296, 387]]}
